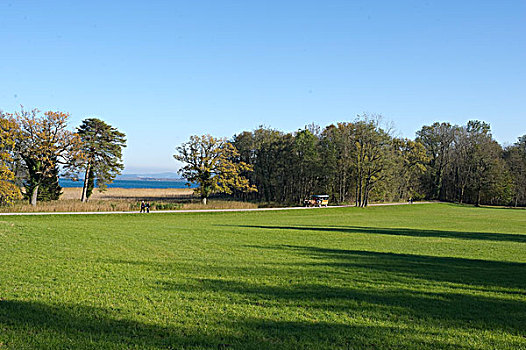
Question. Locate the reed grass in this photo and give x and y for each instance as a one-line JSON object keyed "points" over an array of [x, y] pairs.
{"points": [[131, 193], [125, 199], [219, 204]]}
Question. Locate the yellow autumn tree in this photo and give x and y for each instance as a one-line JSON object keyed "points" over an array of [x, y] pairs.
{"points": [[44, 144], [212, 163], [8, 131]]}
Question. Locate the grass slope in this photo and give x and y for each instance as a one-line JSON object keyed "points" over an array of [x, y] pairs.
{"points": [[401, 277]]}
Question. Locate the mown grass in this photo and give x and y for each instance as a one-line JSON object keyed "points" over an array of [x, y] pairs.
{"points": [[401, 277]]}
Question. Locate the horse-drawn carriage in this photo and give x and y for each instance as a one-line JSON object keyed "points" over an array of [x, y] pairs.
{"points": [[317, 200]]}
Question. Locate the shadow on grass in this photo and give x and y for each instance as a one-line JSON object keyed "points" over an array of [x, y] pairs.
{"points": [[32, 325], [500, 309], [506, 277], [484, 236], [42, 326], [293, 314], [34, 322], [428, 309]]}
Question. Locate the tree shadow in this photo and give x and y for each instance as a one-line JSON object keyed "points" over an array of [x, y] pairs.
{"points": [[504, 277], [77, 326], [491, 207], [469, 310], [316, 335], [484, 236], [27, 325]]}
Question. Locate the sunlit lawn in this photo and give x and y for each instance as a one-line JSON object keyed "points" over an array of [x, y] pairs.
{"points": [[408, 277]]}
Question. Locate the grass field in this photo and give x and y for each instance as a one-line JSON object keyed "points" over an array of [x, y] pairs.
{"points": [[402, 277]]}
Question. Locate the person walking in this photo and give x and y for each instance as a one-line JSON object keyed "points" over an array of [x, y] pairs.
{"points": [[147, 207], [143, 206]]}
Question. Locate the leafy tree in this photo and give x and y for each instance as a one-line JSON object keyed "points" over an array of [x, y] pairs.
{"points": [[457, 173], [477, 173], [438, 141], [466, 164], [515, 157], [338, 151], [102, 146], [307, 169], [209, 163], [410, 165], [8, 131], [44, 143], [484, 152], [373, 154], [266, 166], [245, 144], [272, 150], [49, 188]]}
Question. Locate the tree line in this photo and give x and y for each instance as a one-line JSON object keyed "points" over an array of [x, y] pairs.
{"points": [[360, 162], [35, 148], [353, 162]]}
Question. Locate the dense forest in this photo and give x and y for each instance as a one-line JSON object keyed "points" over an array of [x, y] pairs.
{"points": [[361, 162]]}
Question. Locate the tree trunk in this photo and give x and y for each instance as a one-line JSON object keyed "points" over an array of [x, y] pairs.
{"points": [[83, 197], [365, 195], [34, 195], [360, 192], [204, 200]]}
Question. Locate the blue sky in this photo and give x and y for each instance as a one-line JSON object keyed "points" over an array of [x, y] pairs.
{"points": [[163, 70]]}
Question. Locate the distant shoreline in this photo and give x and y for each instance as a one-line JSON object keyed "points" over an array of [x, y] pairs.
{"points": [[128, 183]]}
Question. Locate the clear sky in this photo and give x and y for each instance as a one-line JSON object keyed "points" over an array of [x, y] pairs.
{"points": [[163, 70]]}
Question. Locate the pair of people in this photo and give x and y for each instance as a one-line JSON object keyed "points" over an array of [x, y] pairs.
{"points": [[145, 207]]}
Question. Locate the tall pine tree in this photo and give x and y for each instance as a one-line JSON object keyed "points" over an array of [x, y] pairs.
{"points": [[102, 147]]}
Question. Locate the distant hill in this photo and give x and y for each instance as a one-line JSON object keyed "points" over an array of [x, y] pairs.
{"points": [[155, 176], [167, 176]]}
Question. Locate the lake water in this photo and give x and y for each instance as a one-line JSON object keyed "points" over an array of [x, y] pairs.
{"points": [[131, 183]]}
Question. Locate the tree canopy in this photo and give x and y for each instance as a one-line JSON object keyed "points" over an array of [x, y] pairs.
{"points": [[102, 147], [8, 133], [44, 142], [212, 163], [356, 161]]}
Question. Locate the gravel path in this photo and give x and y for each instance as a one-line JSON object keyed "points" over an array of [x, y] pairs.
{"points": [[201, 210]]}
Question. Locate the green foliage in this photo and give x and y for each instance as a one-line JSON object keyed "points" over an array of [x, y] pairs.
{"points": [[214, 165], [102, 147], [372, 155], [404, 179], [406, 277], [361, 161], [347, 160], [438, 141], [466, 164], [49, 188], [515, 159]]}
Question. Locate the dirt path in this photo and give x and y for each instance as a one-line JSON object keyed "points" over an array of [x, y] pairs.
{"points": [[204, 210]]}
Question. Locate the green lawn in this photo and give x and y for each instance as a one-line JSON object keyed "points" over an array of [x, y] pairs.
{"points": [[404, 277]]}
